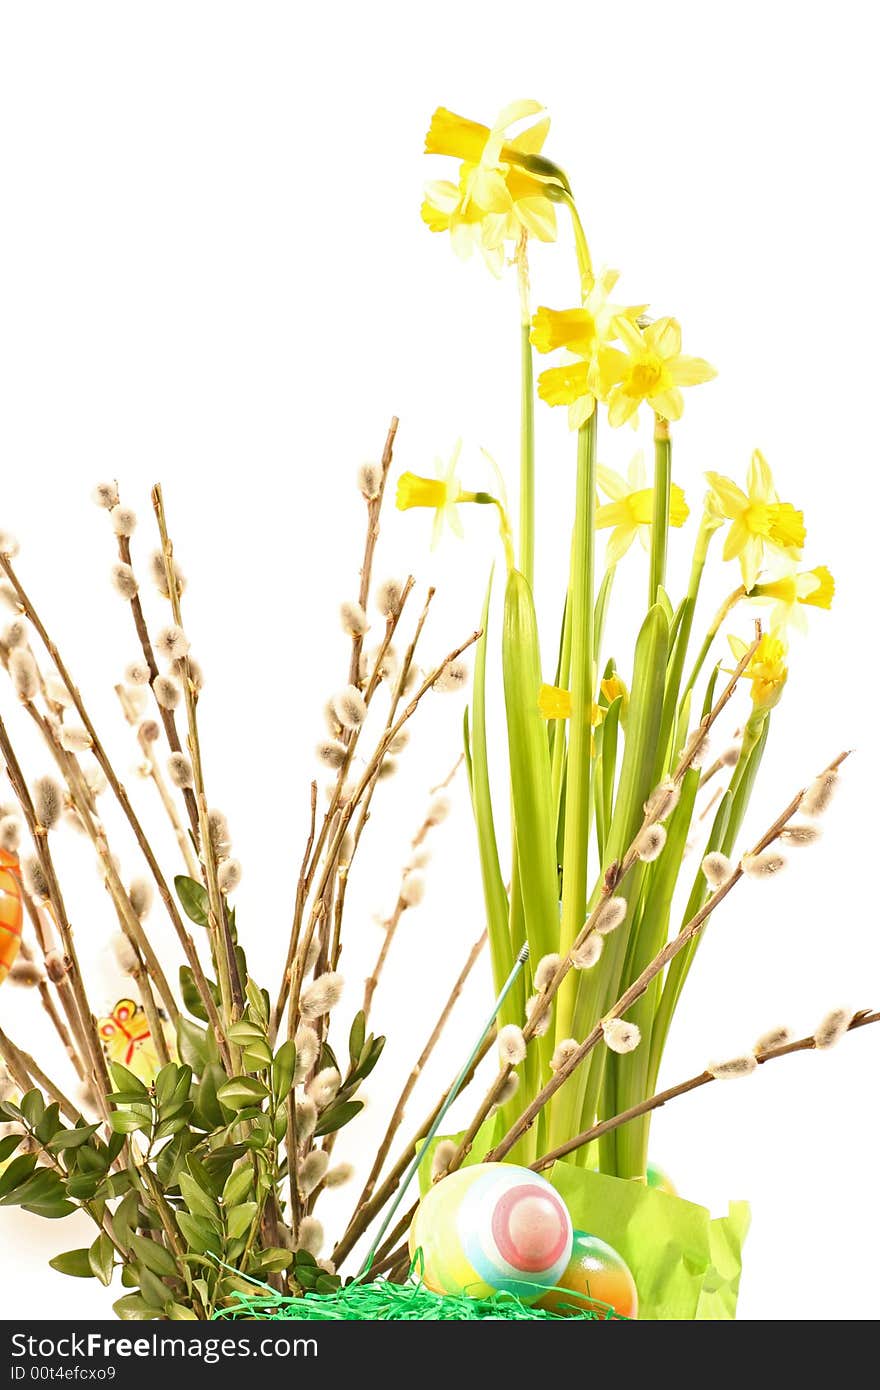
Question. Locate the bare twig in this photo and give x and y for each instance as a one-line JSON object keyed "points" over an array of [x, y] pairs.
{"points": [[424, 1056], [231, 987], [154, 772], [167, 716]]}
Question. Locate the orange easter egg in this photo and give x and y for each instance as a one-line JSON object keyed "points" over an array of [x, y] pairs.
{"points": [[10, 912], [595, 1279]]}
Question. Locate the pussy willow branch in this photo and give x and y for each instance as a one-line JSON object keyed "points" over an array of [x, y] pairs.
{"points": [[393, 922], [374, 508], [39, 836], [638, 987], [703, 1078], [424, 1056], [218, 917], [147, 732], [121, 795], [167, 716], [397, 696], [614, 876], [346, 811], [364, 1214], [328, 826]]}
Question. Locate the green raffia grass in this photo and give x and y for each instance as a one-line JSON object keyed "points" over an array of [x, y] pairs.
{"points": [[410, 1302]]}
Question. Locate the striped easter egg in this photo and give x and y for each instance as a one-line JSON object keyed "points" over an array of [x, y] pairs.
{"points": [[490, 1228]]}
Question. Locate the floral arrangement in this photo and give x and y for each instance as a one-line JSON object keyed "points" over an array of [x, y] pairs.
{"points": [[197, 1124]]}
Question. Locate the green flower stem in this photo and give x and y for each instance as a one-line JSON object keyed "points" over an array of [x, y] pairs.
{"points": [[577, 787], [582, 250], [726, 608], [662, 490], [527, 423]]}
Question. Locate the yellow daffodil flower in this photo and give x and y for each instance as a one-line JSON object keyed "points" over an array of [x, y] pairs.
{"points": [[442, 493], [652, 368], [555, 703], [631, 509], [495, 195], [760, 520], [767, 670], [586, 334], [792, 591]]}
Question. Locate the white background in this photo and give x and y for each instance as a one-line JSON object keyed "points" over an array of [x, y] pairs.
{"points": [[212, 271]]}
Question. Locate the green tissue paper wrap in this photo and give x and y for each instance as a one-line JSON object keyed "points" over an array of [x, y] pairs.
{"points": [[686, 1264]]}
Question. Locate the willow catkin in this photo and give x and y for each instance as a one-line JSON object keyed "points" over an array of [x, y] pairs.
{"points": [[321, 996], [546, 969], [832, 1028], [311, 1235], [771, 1039], [511, 1045], [172, 643], [612, 912], [323, 1087], [123, 520], [442, 1157], [23, 673], [350, 707], [620, 1035], [733, 1067], [228, 876], [312, 1170], [48, 802], [339, 1175]]}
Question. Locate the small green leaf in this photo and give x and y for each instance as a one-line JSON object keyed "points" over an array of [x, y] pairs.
{"points": [[153, 1255], [238, 1185], [283, 1069], [176, 1312], [244, 1032], [166, 1128], [126, 1122], [258, 1056], [101, 1258], [239, 1219], [32, 1107], [273, 1259], [133, 1308], [124, 1219], [337, 1116], [197, 1200], [72, 1138], [126, 1080], [258, 1001], [83, 1186], [240, 1092], [18, 1171], [193, 899], [196, 1046], [9, 1145], [198, 1235], [73, 1262], [49, 1124], [356, 1037]]}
